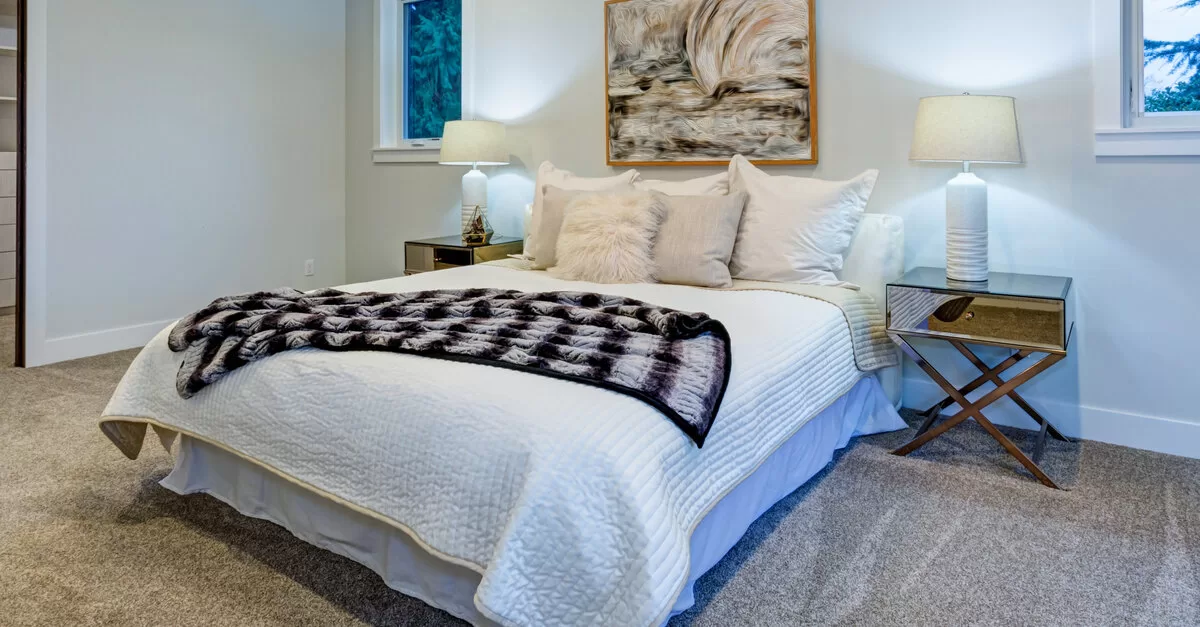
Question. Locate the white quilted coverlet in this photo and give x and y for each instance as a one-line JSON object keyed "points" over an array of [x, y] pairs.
{"points": [[576, 504]]}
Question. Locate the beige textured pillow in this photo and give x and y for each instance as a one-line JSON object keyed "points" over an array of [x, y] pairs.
{"points": [[546, 231], [540, 241], [696, 239], [609, 238]]}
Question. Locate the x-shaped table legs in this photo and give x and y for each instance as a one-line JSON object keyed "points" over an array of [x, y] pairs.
{"points": [[928, 432]]}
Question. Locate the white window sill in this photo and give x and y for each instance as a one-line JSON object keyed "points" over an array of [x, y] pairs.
{"points": [[382, 154], [1148, 142]]}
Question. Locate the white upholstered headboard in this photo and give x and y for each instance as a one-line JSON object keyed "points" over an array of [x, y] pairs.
{"points": [[876, 256]]}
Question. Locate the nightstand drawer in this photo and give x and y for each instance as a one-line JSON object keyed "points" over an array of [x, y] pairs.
{"points": [[443, 253], [418, 259], [484, 254], [446, 258], [1002, 320]]}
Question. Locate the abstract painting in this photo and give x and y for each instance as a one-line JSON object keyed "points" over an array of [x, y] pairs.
{"points": [[695, 82]]}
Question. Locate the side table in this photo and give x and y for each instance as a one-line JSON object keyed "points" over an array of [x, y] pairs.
{"points": [[1026, 313]]}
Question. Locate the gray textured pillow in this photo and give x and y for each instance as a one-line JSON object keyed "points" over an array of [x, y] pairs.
{"points": [[696, 240], [543, 246]]}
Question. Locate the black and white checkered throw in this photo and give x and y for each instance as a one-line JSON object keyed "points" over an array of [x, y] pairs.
{"points": [[675, 361]]}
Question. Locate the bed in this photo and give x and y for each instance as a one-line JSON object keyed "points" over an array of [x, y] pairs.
{"points": [[507, 498]]}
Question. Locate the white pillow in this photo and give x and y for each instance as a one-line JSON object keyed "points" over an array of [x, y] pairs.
{"points": [[795, 229], [609, 238], [715, 185], [549, 175], [528, 228]]}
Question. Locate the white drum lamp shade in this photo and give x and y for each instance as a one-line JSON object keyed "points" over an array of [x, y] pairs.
{"points": [[473, 143], [967, 129]]}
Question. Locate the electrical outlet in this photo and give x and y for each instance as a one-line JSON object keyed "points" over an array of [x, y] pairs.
{"points": [[310, 267]]}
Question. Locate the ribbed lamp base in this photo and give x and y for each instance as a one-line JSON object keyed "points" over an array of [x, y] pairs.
{"points": [[966, 255]]}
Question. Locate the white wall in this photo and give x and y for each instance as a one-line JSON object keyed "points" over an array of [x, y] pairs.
{"points": [[1124, 229], [180, 150]]}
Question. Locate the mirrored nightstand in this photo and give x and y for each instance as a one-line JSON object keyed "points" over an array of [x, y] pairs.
{"points": [[440, 253], [1027, 313]]}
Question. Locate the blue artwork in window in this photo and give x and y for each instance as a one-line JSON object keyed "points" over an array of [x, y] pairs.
{"points": [[433, 66], [1172, 34]]}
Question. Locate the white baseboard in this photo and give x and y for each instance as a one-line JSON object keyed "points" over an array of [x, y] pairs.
{"points": [[1150, 433], [99, 342]]}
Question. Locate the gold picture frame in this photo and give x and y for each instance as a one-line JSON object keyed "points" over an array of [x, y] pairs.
{"points": [[631, 150]]}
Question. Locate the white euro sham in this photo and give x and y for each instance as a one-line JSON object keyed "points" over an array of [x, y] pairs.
{"points": [[795, 229], [543, 236], [715, 185]]}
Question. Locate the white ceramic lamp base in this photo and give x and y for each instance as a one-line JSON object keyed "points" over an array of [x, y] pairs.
{"points": [[967, 228], [474, 194]]}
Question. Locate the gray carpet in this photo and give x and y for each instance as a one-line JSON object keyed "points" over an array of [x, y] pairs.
{"points": [[947, 537]]}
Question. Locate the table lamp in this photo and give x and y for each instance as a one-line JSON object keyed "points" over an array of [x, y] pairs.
{"points": [[967, 129], [474, 143]]}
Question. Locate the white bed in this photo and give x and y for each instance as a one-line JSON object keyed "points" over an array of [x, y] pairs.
{"points": [[527, 500], [405, 566]]}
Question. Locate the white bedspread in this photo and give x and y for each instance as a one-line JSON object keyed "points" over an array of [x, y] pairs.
{"points": [[575, 503]]}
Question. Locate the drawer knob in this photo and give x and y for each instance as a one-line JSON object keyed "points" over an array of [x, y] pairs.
{"points": [[970, 315]]}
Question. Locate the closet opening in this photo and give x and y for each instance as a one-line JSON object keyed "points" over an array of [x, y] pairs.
{"points": [[12, 192]]}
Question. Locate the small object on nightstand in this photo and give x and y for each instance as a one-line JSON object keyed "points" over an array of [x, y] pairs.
{"points": [[441, 253], [1026, 313], [478, 230]]}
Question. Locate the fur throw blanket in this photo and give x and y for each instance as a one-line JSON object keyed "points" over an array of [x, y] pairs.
{"points": [[677, 362]]}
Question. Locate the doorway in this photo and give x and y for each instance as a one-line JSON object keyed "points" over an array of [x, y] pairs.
{"points": [[12, 160]]}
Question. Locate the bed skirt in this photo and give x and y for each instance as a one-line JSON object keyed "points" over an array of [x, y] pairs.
{"points": [[405, 566]]}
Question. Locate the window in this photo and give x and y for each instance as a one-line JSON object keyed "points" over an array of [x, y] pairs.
{"points": [[432, 66], [1164, 62], [423, 65], [1147, 77]]}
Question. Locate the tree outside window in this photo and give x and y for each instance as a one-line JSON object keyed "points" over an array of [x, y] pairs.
{"points": [[433, 66], [1171, 30]]}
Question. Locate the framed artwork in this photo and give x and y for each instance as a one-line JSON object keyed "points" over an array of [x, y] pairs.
{"points": [[695, 82]]}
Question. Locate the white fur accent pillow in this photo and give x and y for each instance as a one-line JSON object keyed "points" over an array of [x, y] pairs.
{"points": [[609, 238], [795, 229], [540, 242]]}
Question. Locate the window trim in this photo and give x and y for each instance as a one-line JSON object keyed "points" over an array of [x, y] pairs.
{"points": [[390, 147], [1117, 133]]}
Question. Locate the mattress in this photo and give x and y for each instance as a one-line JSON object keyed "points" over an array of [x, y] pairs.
{"points": [[574, 504], [405, 566]]}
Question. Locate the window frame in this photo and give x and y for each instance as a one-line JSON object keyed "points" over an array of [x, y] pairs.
{"points": [[1121, 130], [390, 144], [1135, 62]]}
